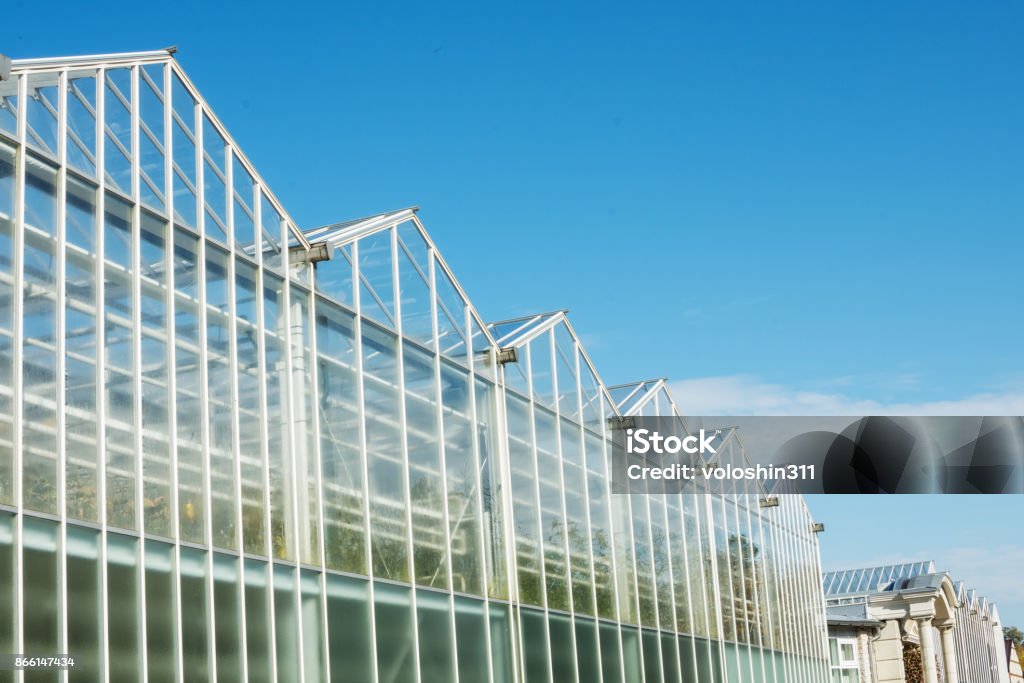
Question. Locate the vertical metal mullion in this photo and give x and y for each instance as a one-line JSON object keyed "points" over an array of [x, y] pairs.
{"points": [[769, 613], [531, 407], [715, 583], [439, 414], [404, 438], [654, 588], [585, 471], [706, 581], [18, 372], [172, 365], [671, 589], [735, 504], [261, 346], [318, 456], [290, 393], [508, 523], [135, 277], [631, 529], [364, 454], [759, 618], [61, 380], [689, 579], [204, 380], [101, 408], [476, 446], [553, 350], [605, 461]]}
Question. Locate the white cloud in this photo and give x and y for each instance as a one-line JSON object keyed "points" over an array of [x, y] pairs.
{"points": [[749, 395], [993, 572]]}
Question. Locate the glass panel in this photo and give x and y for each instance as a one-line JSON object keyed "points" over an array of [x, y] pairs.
{"points": [[563, 653], [80, 360], [670, 659], [218, 378], [463, 473], [39, 362], [471, 638], [389, 532], [155, 398], [9, 106], [451, 316], [541, 369], [304, 419], [425, 478], [194, 625], [161, 608], [491, 490], [376, 286], [565, 365], [524, 505], [396, 661], [41, 592], [215, 194], [184, 163], [287, 625], [662, 563], [227, 615], [552, 517], [348, 627], [7, 583], [272, 232], [85, 619], [123, 627], [41, 111], [652, 656], [250, 433], [341, 459], [600, 526], [414, 281], [535, 646], [435, 632], [313, 654], [611, 660], [334, 277], [501, 642], [81, 103], [152, 181], [244, 215], [257, 621], [189, 387], [281, 495], [7, 193], [118, 128], [120, 369], [576, 518]]}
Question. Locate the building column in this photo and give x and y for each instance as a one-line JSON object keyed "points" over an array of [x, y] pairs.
{"points": [[931, 674], [949, 654], [864, 658]]}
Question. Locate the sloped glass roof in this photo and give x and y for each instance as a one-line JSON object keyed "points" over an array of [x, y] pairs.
{"points": [[628, 397], [872, 579], [512, 332]]}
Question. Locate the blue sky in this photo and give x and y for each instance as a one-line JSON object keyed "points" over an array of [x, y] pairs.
{"points": [[791, 207]]}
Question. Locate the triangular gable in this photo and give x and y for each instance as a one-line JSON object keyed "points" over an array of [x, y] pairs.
{"points": [[152, 119], [428, 306]]}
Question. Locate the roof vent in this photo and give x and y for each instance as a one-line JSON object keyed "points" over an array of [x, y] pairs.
{"points": [[5, 67]]}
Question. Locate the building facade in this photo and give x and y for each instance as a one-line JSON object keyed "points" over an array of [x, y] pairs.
{"points": [[234, 450], [885, 622]]}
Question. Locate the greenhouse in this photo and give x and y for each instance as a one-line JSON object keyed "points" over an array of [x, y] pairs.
{"points": [[233, 449]]}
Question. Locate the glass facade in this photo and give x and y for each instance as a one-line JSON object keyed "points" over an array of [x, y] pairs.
{"points": [[232, 450]]}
